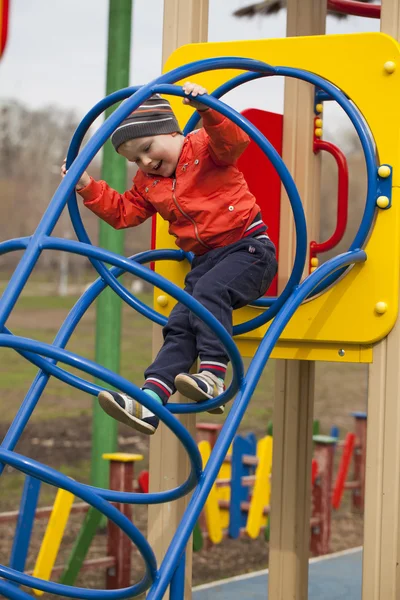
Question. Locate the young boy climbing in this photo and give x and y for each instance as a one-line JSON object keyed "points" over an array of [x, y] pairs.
{"points": [[193, 183]]}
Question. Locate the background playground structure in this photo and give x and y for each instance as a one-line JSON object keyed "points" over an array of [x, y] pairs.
{"points": [[237, 507]]}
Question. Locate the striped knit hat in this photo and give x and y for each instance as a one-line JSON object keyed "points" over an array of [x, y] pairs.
{"points": [[153, 117]]}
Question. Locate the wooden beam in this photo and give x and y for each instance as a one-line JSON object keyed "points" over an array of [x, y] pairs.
{"points": [[294, 380]]}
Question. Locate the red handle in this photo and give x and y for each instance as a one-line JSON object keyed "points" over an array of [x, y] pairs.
{"points": [[343, 197], [359, 9]]}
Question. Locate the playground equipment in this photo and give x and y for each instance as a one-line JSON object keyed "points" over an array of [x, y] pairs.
{"points": [[239, 501], [332, 324]]}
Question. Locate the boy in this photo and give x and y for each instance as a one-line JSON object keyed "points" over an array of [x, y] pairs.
{"points": [[194, 184]]}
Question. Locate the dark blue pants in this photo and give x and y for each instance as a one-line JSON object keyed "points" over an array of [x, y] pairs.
{"points": [[222, 280]]}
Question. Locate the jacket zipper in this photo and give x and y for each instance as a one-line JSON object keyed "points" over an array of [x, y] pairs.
{"points": [[196, 231]]}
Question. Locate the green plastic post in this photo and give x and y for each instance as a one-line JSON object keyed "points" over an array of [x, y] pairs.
{"points": [[108, 316], [81, 547], [197, 538], [315, 428]]}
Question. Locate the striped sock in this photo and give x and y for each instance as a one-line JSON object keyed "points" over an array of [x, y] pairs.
{"points": [[217, 368], [157, 385], [145, 411]]}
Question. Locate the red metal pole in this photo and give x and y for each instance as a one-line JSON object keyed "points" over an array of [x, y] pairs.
{"points": [[358, 9], [343, 470]]}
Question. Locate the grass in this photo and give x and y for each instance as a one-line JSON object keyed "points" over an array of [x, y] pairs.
{"points": [[16, 373]]}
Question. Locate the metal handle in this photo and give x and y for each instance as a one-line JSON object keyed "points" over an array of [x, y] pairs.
{"points": [[343, 198]]}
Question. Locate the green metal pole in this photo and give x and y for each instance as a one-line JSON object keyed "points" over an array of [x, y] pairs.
{"points": [[108, 315]]}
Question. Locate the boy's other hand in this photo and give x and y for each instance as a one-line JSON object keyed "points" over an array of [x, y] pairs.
{"points": [[194, 90], [83, 181]]}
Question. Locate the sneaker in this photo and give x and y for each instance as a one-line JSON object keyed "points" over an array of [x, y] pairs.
{"points": [[125, 409], [201, 386]]}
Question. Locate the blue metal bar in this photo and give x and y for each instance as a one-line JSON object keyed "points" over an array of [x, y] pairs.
{"points": [[282, 308], [10, 591], [265, 145], [223, 89], [235, 416], [177, 587], [78, 362], [172, 289], [15, 244], [23, 528], [260, 68], [61, 340], [272, 155], [52, 477]]}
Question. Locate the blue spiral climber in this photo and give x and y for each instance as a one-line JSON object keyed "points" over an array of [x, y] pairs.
{"points": [[47, 357]]}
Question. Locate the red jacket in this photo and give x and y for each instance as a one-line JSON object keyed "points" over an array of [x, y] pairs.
{"points": [[208, 204]]}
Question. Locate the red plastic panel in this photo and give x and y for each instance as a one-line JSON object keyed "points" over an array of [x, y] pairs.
{"points": [[261, 176]]}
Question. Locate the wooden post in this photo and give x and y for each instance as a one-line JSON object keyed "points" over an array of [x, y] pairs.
{"points": [[208, 432], [294, 380], [118, 544], [322, 494], [381, 555], [360, 450], [185, 21]]}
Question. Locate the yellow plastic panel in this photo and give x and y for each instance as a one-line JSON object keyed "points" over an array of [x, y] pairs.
{"points": [[224, 492], [345, 316], [262, 488], [211, 508]]}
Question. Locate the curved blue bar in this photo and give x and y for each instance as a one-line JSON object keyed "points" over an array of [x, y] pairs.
{"points": [[291, 190], [52, 477], [283, 308], [176, 292], [281, 168], [120, 383], [66, 330], [366, 141], [258, 67], [367, 144], [15, 244], [235, 416], [223, 89], [11, 591]]}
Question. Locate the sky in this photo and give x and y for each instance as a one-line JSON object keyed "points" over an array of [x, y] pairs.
{"points": [[56, 50]]}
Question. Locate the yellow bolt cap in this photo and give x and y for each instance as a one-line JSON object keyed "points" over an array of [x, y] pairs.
{"points": [[381, 308], [384, 171], [382, 201], [318, 132], [162, 300], [318, 122], [314, 262], [389, 67], [319, 108]]}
